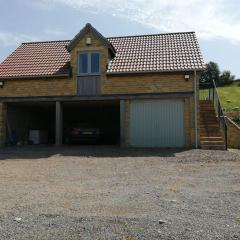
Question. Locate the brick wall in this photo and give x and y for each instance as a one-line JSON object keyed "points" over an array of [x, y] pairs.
{"points": [[233, 134], [189, 122], [146, 83], [38, 87]]}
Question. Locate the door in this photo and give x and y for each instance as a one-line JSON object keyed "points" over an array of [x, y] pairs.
{"points": [[88, 85], [157, 123]]}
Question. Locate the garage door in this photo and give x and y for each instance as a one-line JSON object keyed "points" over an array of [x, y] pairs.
{"points": [[157, 123]]}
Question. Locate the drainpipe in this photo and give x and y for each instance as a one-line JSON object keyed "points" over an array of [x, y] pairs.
{"points": [[195, 109]]}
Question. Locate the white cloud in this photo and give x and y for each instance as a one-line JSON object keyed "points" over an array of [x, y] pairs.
{"points": [[54, 32], [209, 18], [8, 39]]}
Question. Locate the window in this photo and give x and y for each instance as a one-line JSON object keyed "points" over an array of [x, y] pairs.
{"points": [[83, 63], [89, 63]]}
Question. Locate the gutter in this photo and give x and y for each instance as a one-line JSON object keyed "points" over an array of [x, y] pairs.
{"points": [[34, 77], [195, 109], [156, 71]]}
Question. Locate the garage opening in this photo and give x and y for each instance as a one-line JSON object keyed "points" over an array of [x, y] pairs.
{"points": [[91, 122], [31, 123]]}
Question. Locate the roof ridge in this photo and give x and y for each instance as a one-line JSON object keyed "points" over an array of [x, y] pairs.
{"points": [[154, 34], [126, 36]]}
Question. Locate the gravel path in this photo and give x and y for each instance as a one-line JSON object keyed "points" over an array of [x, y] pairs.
{"points": [[106, 192]]}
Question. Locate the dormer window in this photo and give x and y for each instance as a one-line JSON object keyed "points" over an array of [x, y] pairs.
{"points": [[89, 63]]}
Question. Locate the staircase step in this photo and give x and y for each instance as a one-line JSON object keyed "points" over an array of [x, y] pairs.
{"points": [[215, 147], [212, 143], [208, 116], [207, 130], [211, 138], [210, 133], [206, 107], [209, 125], [206, 102], [206, 119]]}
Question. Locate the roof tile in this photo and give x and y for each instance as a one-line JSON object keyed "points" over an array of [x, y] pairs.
{"points": [[160, 52]]}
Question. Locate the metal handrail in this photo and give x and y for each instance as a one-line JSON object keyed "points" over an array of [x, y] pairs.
{"points": [[212, 95]]}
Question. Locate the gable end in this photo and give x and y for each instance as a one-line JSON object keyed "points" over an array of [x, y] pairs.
{"points": [[96, 34]]}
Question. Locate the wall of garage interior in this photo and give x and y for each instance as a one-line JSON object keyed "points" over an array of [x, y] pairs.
{"points": [[3, 123]]}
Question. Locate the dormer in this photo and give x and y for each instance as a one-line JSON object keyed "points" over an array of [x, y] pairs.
{"points": [[90, 54]]}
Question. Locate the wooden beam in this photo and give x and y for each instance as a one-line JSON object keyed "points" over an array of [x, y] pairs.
{"points": [[97, 97]]}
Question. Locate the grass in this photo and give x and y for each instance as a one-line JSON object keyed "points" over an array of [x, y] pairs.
{"points": [[229, 96]]}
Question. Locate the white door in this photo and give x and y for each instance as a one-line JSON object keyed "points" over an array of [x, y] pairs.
{"points": [[157, 123]]}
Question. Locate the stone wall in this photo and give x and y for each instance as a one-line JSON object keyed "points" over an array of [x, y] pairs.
{"points": [[233, 134]]}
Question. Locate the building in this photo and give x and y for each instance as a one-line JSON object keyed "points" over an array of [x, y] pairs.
{"points": [[142, 91]]}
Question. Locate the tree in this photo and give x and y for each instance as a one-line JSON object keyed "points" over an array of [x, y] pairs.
{"points": [[211, 72], [226, 78]]}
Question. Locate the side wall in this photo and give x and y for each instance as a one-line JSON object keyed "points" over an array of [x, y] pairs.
{"points": [[233, 134], [38, 87], [147, 83], [121, 84]]}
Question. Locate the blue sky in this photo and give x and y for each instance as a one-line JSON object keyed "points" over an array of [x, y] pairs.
{"points": [[216, 22]]}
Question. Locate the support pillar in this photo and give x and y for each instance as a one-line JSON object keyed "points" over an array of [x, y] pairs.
{"points": [[58, 124], [122, 123], [3, 123]]}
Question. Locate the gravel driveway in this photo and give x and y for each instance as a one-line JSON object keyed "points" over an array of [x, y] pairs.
{"points": [[104, 192]]}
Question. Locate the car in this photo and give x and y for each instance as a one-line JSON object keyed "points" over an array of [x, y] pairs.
{"points": [[82, 133]]}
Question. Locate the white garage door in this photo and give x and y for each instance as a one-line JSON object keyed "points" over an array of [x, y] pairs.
{"points": [[157, 123]]}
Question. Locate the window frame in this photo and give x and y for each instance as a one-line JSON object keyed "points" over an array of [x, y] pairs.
{"points": [[89, 63]]}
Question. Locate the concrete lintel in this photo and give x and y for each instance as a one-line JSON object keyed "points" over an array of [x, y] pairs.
{"points": [[104, 97]]}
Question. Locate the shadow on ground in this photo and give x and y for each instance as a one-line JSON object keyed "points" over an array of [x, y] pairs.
{"points": [[37, 152]]}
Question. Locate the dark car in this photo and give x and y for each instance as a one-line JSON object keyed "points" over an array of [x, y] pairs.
{"points": [[82, 133]]}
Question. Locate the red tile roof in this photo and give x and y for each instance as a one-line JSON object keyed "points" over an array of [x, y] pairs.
{"points": [[37, 59], [160, 52], [146, 53]]}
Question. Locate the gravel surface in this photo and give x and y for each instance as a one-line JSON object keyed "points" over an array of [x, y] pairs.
{"points": [[105, 192]]}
